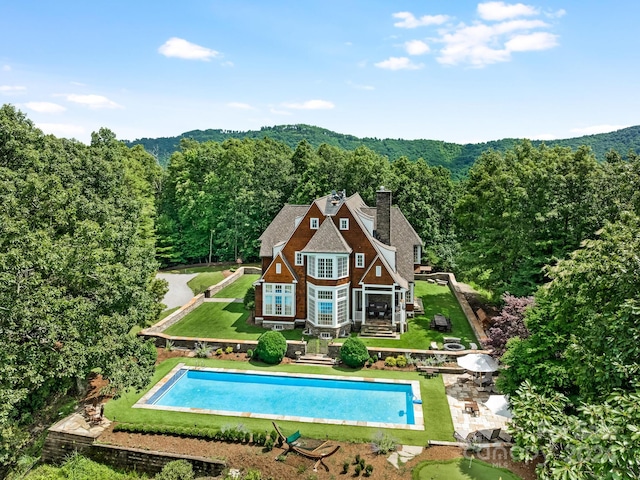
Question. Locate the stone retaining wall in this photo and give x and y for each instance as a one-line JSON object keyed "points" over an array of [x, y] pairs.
{"points": [[59, 445], [452, 283]]}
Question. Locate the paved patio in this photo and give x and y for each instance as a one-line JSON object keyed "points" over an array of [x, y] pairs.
{"points": [[464, 422]]}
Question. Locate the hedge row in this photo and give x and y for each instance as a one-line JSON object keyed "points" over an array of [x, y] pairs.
{"points": [[237, 434]]}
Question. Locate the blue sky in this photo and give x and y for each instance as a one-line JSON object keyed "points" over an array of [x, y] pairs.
{"points": [[458, 71]]}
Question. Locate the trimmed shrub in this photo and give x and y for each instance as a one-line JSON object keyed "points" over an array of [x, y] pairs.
{"points": [[250, 298], [401, 361], [249, 353], [176, 470], [390, 361], [354, 352], [271, 347], [229, 349]]}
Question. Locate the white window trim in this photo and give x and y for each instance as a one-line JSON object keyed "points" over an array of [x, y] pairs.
{"points": [[314, 223], [378, 271], [313, 267], [278, 268], [359, 260], [299, 259], [269, 308], [340, 295], [344, 224], [417, 254]]}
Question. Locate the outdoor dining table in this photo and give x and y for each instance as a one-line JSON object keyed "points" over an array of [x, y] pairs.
{"points": [[441, 323]]}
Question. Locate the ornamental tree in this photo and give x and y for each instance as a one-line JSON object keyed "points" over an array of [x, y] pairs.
{"points": [[354, 352], [509, 323]]}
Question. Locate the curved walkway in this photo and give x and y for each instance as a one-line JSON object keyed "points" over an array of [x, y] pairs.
{"points": [[179, 292]]}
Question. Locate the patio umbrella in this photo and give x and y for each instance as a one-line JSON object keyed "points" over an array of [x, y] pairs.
{"points": [[499, 405], [478, 363]]}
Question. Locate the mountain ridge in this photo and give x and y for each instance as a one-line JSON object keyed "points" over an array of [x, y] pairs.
{"points": [[456, 157]]}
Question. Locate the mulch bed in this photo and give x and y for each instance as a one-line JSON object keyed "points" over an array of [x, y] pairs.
{"points": [[245, 457]]}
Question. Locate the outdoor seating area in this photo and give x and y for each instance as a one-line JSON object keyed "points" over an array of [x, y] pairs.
{"points": [[378, 310], [440, 323]]}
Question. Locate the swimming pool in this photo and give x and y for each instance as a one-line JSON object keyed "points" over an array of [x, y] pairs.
{"points": [[281, 396]]}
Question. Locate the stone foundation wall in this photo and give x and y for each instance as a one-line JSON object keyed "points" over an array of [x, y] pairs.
{"points": [[59, 445]]}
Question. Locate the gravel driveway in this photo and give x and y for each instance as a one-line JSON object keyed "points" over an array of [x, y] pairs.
{"points": [[179, 293]]}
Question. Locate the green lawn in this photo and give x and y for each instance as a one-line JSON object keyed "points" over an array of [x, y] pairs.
{"points": [[204, 280], [228, 320], [238, 288], [222, 320], [438, 424], [436, 299], [460, 469]]}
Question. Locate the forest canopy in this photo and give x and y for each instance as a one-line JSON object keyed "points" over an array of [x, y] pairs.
{"points": [[77, 267]]}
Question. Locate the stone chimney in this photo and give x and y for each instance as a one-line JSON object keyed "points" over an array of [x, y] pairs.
{"points": [[383, 215]]}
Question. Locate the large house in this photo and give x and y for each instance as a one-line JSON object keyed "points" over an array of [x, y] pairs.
{"points": [[338, 264]]}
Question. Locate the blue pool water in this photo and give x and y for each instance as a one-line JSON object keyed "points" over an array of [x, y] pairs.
{"points": [[287, 395]]}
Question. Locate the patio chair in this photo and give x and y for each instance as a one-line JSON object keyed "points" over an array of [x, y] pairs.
{"points": [[488, 435]]}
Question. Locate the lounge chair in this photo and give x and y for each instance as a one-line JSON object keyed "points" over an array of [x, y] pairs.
{"points": [[308, 447], [488, 435]]}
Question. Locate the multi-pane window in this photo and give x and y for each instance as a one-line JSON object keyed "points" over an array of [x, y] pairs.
{"points": [[344, 224], [328, 267], [278, 299], [314, 223], [417, 254], [328, 306], [359, 260], [343, 267], [342, 305], [299, 259], [325, 268]]}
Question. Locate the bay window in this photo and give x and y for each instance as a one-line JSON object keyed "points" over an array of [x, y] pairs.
{"points": [[330, 267], [327, 306]]}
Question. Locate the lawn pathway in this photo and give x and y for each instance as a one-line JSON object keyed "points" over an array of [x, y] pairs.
{"points": [[179, 292]]}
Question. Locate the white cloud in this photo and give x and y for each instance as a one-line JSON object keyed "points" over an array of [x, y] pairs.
{"points": [[6, 68], [557, 14], [398, 63], [93, 101], [416, 47], [597, 129], [502, 11], [240, 105], [311, 105], [12, 88], [61, 129], [408, 20], [532, 41], [45, 107], [79, 84], [180, 48], [480, 44]]}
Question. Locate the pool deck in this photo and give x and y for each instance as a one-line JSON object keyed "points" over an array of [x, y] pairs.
{"points": [[464, 422], [415, 390]]}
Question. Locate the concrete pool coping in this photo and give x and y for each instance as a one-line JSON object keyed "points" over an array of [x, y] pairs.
{"points": [[415, 391]]}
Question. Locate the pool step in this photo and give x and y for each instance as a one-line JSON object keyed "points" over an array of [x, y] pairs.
{"points": [[316, 360]]}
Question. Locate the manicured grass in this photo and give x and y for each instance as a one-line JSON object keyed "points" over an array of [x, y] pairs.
{"points": [[436, 299], [238, 288], [460, 469], [204, 280], [438, 424], [222, 320]]}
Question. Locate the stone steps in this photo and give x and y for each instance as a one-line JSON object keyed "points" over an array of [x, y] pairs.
{"points": [[316, 360]]}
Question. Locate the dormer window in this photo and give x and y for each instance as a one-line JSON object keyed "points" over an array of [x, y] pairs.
{"points": [[314, 223], [344, 224]]}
